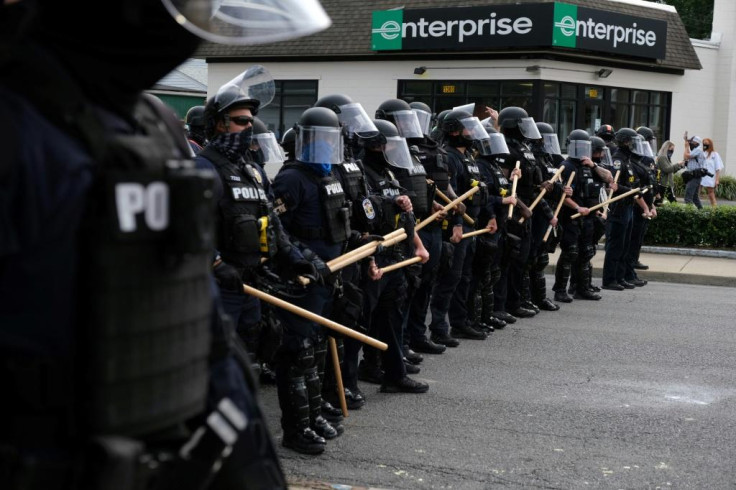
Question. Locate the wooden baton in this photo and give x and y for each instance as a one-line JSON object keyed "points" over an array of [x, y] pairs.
{"points": [[543, 192], [513, 189], [559, 206], [338, 376]]}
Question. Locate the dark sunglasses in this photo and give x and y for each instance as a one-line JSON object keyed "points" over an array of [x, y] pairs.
{"points": [[241, 120]]}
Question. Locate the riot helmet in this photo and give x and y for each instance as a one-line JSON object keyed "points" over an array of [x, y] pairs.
{"points": [[194, 121], [264, 144], [550, 142], [578, 144], [351, 114], [606, 133], [391, 143], [319, 137], [264, 21], [495, 144], [512, 119], [288, 142], [650, 138], [625, 139], [469, 127], [399, 113], [424, 115], [597, 145], [252, 89]]}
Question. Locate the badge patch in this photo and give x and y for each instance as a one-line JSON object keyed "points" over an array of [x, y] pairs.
{"points": [[256, 175], [370, 213], [617, 164]]}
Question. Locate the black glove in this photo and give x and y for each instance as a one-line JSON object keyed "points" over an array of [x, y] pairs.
{"points": [[304, 268], [323, 271], [357, 239], [228, 277]]}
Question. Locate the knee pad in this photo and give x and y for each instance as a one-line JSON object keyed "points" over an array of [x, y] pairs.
{"points": [[304, 357], [570, 254], [587, 253], [542, 262]]}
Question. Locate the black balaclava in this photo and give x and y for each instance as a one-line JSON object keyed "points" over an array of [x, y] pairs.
{"points": [[126, 48]]}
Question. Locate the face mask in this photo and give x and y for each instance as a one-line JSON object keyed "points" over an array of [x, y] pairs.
{"points": [[669, 153], [693, 146], [706, 147], [457, 141], [245, 137], [321, 169]]}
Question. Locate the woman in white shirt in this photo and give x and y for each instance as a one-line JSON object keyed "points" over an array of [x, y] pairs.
{"points": [[714, 165]]}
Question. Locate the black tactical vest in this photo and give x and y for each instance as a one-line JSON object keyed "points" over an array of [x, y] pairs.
{"points": [[498, 184], [414, 180], [628, 178], [474, 178], [353, 180], [244, 232], [434, 161], [145, 300], [531, 174], [384, 184], [587, 187]]}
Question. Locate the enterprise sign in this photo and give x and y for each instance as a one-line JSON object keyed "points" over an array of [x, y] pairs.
{"points": [[529, 24]]}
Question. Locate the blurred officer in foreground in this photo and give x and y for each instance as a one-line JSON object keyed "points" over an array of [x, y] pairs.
{"points": [[128, 356]]}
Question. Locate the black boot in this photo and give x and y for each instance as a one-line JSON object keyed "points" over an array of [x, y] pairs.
{"points": [[583, 292], [317, 422], [538, 285], [294, 403], [562, 276]]}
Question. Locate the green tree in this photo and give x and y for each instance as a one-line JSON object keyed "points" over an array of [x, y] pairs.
{"points": [[697, 15]]}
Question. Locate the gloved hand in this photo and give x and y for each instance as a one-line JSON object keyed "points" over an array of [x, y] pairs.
{"points": [[323, 271], [304, 268], [228, 277], [357, 239]]}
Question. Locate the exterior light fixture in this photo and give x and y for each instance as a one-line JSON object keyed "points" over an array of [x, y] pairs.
{"points": [[533, 68], [604, 73], [420, 70]]}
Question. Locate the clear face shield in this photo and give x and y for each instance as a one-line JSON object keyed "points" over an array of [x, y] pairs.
{"points": [[255, 83], [425, 120], [249, 21], [319, 144], [407, 123], [396, 152], [578, 149], [605, 157], [356, 121], [529, 129], [473, 129], [269, 146], [653, 147], [551, 144], [641, 147]]}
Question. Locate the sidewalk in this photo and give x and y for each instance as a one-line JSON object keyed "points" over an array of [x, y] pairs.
{"points": [[687, 266]]}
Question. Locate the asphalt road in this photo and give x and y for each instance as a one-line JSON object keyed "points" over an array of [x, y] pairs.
{"points": [[632, 392]]}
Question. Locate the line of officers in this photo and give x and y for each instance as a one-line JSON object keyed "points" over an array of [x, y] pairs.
{"points": [[347, 179]]}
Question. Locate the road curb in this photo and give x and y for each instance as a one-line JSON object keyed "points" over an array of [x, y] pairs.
{"points": [[674, 277]]}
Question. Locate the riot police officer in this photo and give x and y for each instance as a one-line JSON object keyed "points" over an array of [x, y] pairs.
{"points": [[315, 211], [264, 147], [519, 130], [434, 160], [356, 125], [420, 186], [548, 157], [607, 134], [385, 293], [576, 243], [620, 213], [449, 297], [490, 263], [194, 121]]}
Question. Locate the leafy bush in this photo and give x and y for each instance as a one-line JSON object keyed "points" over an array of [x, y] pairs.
{"points": [[726, 188], [683, 225]]}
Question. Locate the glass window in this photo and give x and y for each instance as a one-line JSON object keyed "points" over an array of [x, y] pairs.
{"points": [[639, 116], [594, 92], [482, 89], [567, 121], [619, 95], [450, 88], [516, 88], [640, 97], [551, 89], [569, 91], [417, 87], [549, 112], [655, 98], [292, 97]]}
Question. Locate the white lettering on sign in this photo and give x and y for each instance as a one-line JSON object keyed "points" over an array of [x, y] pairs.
{"points": [[468, 27], [133, 198]]}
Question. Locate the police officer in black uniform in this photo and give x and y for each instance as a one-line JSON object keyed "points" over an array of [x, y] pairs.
{"points": [[356, 125], [620, 214], [194, 121], [607, 133], [386, 293], [434, 160], [576, 244], [314, 209], [420, 187], [519, 130], [489, 263], [124, 230], [548, 157], [449, 297]]}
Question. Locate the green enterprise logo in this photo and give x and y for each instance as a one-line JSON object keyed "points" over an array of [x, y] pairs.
{"points": [[564, 32], [386, 30]]}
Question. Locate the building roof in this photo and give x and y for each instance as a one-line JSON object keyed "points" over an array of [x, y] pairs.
{"points": [[190, 76], [349, 37]]}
